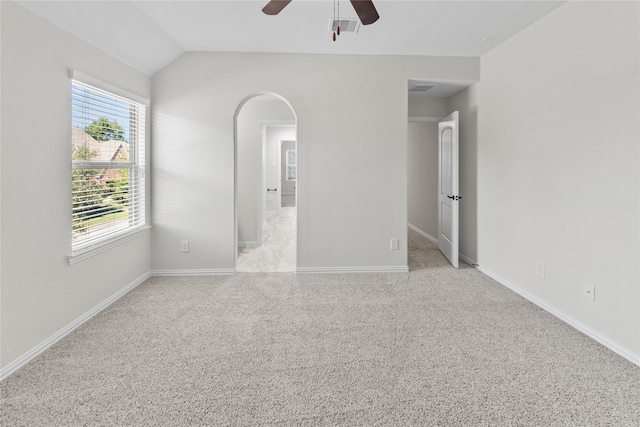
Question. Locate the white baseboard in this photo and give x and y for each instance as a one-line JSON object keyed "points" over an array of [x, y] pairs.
{"points": [[422, 233], [463, 257], [633, 358], [390, 269], [44, 345], [468, 260], [251, 243], [194, 272]]}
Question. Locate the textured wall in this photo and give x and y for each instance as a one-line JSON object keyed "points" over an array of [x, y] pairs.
{"points": [[41, 293]]}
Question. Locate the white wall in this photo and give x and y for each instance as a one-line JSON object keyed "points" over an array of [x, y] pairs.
{"points": [[422, 106], [422, 177], [351, 152], [558, 165], [249, 157], [41, 293]]}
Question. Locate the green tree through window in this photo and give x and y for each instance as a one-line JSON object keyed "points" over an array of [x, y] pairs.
{"points": [[104, 129]]}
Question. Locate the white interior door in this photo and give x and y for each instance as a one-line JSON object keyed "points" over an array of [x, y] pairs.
{"points": [[448, 198]]}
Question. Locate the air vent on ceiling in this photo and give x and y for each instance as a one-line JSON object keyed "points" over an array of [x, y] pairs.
{"points": [[422, 88], [346, 25]]}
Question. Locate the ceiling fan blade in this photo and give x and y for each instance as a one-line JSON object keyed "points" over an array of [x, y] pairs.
{"points": [[274, 7], [366, 11]]}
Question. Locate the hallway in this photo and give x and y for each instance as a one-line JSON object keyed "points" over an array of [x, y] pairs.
{"points": [[278, 250]]}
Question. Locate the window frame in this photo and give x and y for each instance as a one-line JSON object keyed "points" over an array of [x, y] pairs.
{"points": [[136, 165]]}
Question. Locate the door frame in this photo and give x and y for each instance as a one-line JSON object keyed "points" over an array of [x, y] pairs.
{"points": [[239, 108], [434, 233], [261, 185]]}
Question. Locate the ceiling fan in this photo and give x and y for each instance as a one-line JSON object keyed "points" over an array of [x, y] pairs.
{"points": [[364, 8]]}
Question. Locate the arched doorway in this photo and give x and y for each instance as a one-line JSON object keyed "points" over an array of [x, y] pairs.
{"points": [[265, 229]]}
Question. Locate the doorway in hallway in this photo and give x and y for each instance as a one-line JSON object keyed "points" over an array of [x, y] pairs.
{"points": [[266, 177]]}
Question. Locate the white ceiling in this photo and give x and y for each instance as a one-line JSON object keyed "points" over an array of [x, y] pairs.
{"points": [[149, 34]]}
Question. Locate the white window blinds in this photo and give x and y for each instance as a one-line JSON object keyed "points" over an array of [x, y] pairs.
{"points": [[107, 140]]}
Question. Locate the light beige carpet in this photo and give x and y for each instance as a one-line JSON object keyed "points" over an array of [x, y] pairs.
{"points": [[433, 347]]}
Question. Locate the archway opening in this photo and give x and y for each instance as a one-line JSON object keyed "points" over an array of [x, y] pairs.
{"points": [[265, 185]]}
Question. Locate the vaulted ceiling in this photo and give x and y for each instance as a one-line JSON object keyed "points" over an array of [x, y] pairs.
{"points": [[149, 34]]}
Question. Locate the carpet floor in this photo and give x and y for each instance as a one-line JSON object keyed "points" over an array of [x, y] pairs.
{"points": [[434, 347]]}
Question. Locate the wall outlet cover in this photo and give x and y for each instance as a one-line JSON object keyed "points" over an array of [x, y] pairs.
{"points": [[589, 291], [540, 269]]}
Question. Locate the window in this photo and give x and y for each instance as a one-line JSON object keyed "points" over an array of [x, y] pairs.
{"points": [[291, 165], [107, 156]]}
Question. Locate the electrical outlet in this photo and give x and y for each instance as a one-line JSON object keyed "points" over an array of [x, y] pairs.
{"points": [[394, 244], [589, 291], [540, 269], [184, 246]]}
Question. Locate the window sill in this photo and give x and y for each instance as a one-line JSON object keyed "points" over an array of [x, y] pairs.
{"points": [[85, 253]]}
